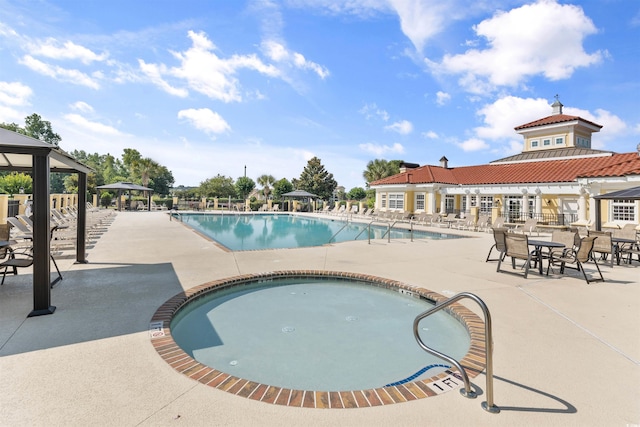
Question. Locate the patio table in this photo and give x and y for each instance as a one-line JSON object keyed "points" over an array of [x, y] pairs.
{"points": [[538, 245]]}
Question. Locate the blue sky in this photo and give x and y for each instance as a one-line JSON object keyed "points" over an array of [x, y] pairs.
{"points": [[209, 87]]}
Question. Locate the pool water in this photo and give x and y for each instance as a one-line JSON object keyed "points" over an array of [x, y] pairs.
{"points": [[241, 232], [312, 334]]}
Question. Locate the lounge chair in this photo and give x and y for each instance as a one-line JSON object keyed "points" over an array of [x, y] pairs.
{"points": [[498, 237], [517, 247], [498, 223], [354, 209], [483, 223], [578, 257], [275, 207], [529, 226], [23, 232]]}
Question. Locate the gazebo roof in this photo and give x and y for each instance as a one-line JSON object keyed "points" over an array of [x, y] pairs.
{"points": [[124, 186], [17, 150], [627, 194], [299, 193]]}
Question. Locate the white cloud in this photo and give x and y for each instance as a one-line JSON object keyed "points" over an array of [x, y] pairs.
{"points": [[370, 111], [612, 126], [82, 107], [205, 120], [205, 72], [154, 72], [279, 53], [14, 93], [473, 144], [544, 38], [51, 48], [421, 19], [380, 150], [403, 127], [442, 98], [94, 127], [501, 117], [430, 135], [59, 73]]}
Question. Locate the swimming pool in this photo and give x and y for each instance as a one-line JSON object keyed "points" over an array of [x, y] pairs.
{"points": [[241, 232], [365, 347]]}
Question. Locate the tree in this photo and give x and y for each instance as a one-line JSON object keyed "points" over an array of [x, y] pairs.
{"points": [[266, 181], [244, 186], [357, 193], [163, 181], [380, 168], [36, 128], [316, 180], [40, 129], [218, 186], [13, 182], [281, 187]]}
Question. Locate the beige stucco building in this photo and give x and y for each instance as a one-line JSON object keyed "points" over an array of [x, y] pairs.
{"points": [[554, 179]]}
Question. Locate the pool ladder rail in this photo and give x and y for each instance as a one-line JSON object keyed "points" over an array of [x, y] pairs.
{"points": [[488, 405]]}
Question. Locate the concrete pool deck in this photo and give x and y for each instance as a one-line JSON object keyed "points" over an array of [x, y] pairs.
{"points": [[566, 353]]}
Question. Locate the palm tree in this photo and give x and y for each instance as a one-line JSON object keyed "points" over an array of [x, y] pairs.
{"points": [[380, 168], [266, 181]]}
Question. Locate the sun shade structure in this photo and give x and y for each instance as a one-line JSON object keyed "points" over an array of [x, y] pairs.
{"points": [[25, 154], [627, 194], [121, 187], [300, 194]]}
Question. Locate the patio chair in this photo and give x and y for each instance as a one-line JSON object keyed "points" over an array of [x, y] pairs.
{"points": [[517, 247], [22, 259], [578, 257], [498, 237], [604, 246], [569, 239]]}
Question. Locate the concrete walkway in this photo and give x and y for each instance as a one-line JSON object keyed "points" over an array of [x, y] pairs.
{"points": [[566, 353]]}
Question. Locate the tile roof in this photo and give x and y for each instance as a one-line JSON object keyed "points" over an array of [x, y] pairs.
{"points": [[555, 118], [558, 170]]}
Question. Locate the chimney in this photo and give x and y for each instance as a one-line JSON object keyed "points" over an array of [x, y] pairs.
{"points": [[557, 106], [444, 162]]}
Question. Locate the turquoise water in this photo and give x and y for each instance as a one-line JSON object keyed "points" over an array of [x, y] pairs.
{"points": [[242, 232], [317, 335]]}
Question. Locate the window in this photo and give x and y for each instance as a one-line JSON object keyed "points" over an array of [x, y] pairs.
{"points": [[559, 141], [396, 201], [486, 203], [546, 142], [583, 142], [623, 210], [383, 200], [420, 201], [534, 144], [449, 203], [466, 208]]}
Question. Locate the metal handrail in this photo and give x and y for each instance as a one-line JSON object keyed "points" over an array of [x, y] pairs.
{"points": [[488, 405], [337, 232]]}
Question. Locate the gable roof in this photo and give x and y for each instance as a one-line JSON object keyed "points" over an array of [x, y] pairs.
{"points": [[553, 119], [559, 170]]}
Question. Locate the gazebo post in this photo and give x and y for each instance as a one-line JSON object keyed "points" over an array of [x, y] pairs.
{"points": [[81, 248], [41, 237]]}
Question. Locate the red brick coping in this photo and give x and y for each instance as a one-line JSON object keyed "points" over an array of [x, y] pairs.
{"points": [[160, 331]]}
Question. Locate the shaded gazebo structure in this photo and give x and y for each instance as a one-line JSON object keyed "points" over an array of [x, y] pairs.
{"points": [[626, 194], [125, 187], [21, 153], [300, 194]]}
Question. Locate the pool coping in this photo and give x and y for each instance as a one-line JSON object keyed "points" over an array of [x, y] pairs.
{"points": [[474, 362]]}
